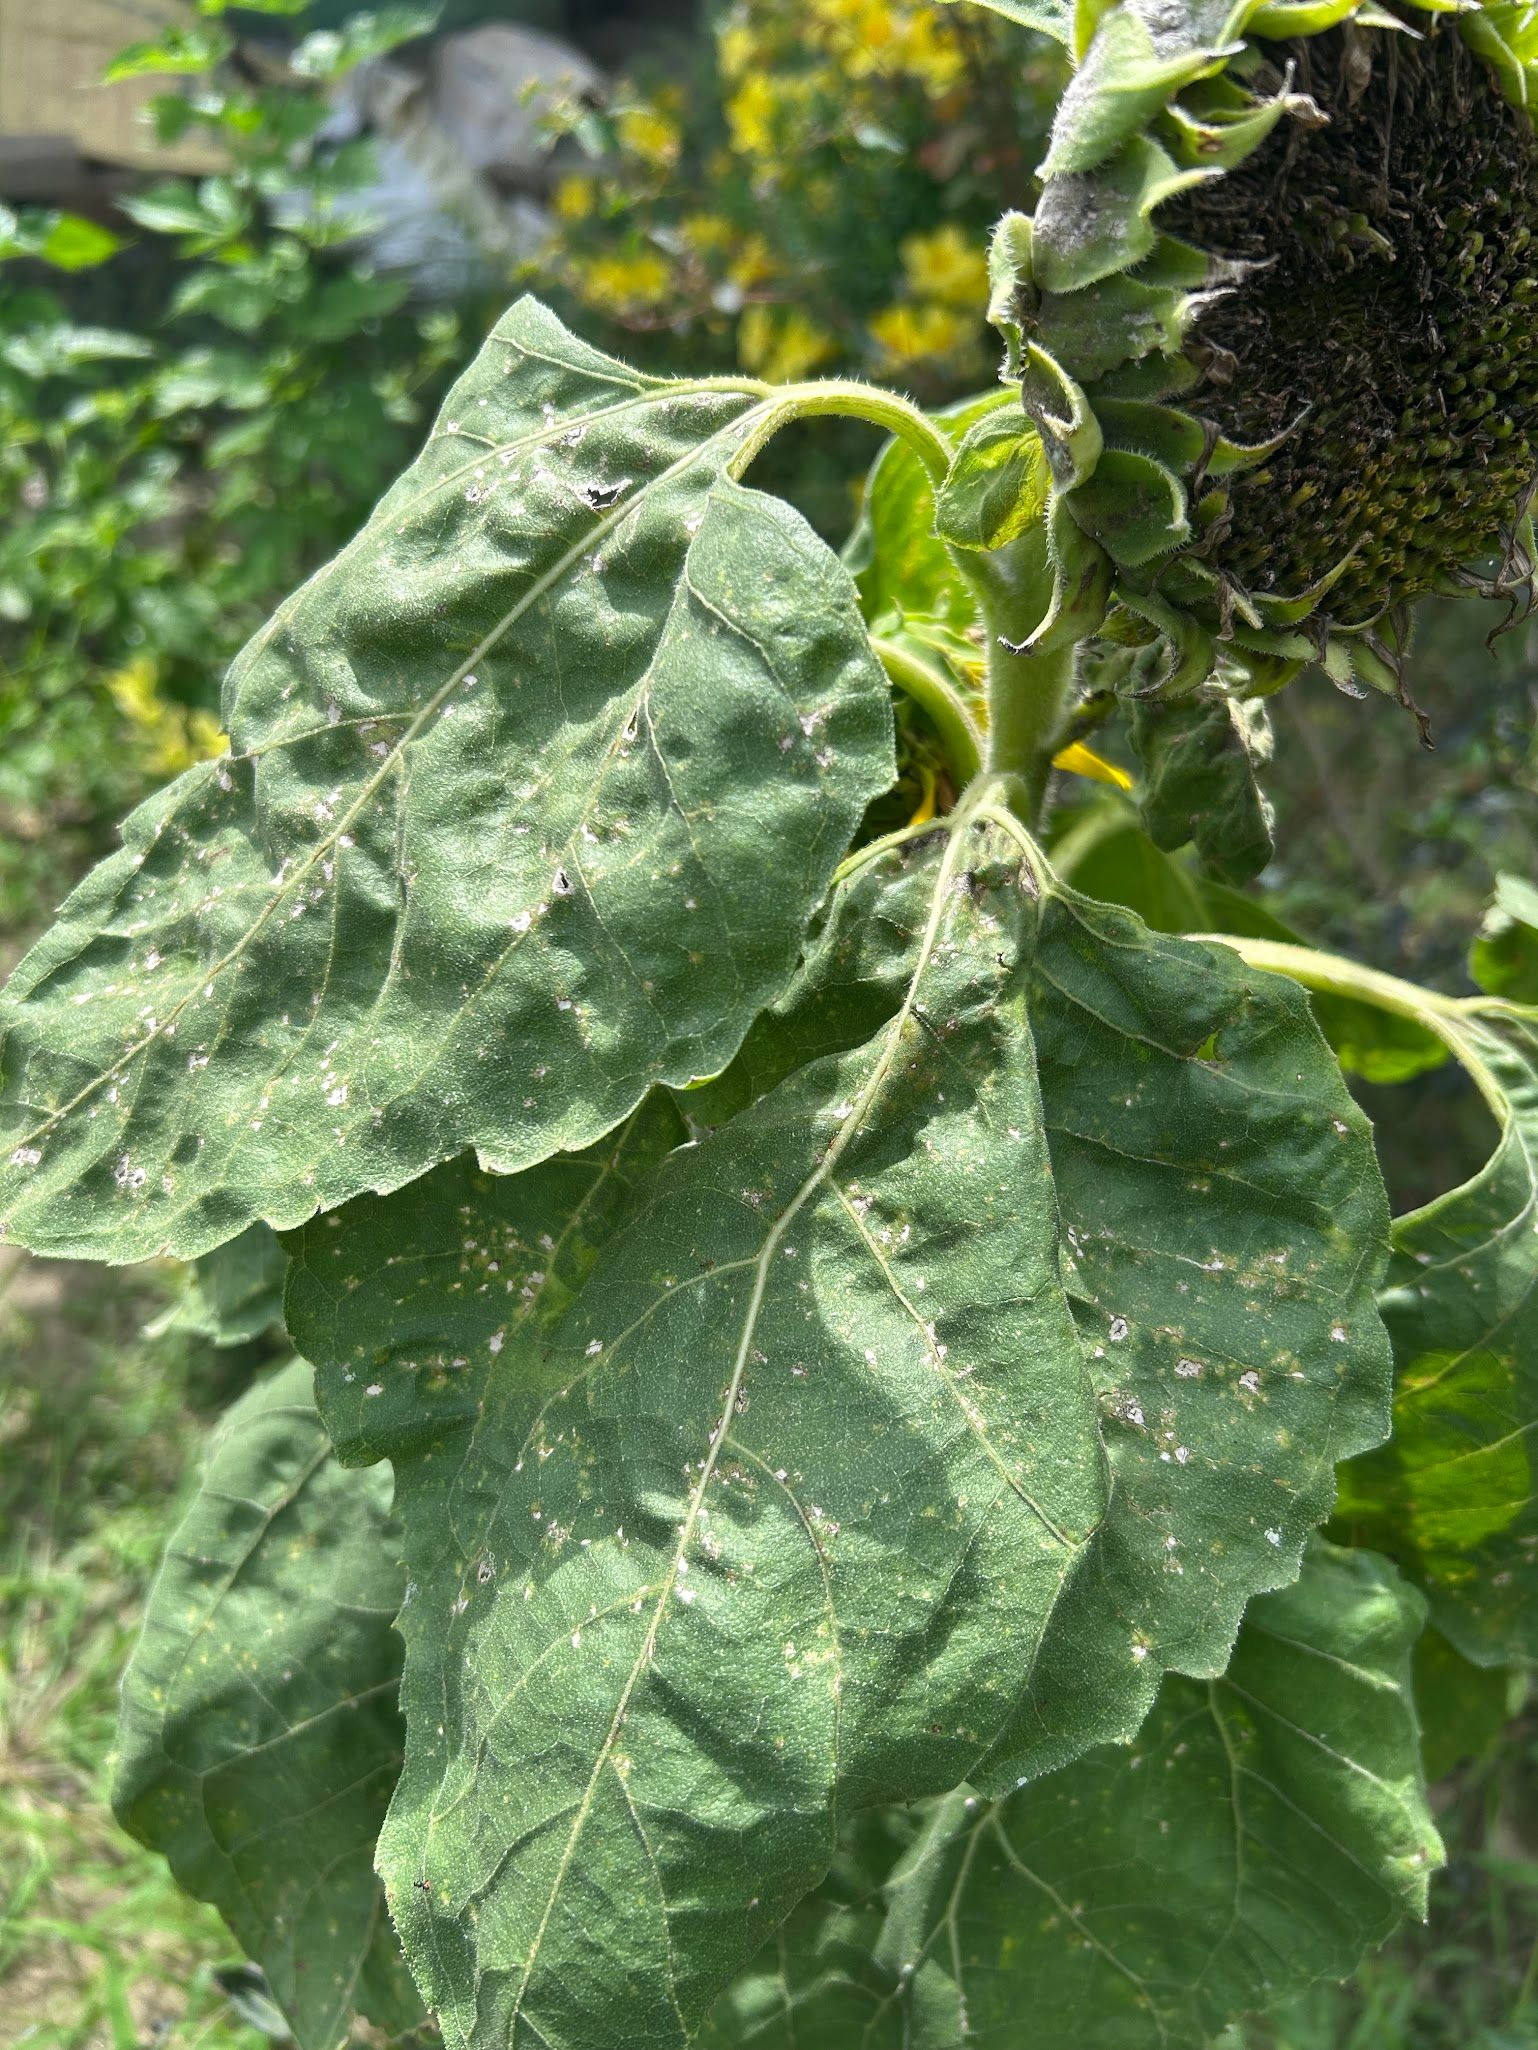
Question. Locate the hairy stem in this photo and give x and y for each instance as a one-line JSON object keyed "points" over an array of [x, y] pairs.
{"points": [[959, 737], [1027, 693], [846, 398]]}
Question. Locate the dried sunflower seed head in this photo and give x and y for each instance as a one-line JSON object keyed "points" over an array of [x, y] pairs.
{"points": [[1276, 321]]}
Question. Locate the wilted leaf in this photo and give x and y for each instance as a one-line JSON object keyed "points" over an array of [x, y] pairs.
{"points": [[801, 1504], [1453, 1496], [1263, 1831], [260, 1736], [1199, 759], [533, 793]]}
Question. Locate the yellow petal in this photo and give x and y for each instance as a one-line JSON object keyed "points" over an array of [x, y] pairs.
{"points": [[1079, 760]]}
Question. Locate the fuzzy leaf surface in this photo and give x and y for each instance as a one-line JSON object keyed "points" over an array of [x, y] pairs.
{"points": [[767, 1528], [489, 856], [1454, 1494], [772, 1505], [1264, 1830], [260, 1734], [1223, 1226]]}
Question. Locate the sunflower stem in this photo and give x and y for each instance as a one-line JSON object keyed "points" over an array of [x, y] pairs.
{"points": [[1027, 693]]}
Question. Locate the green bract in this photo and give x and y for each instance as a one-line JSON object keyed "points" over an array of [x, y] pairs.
{"points": [[1274, 320]]}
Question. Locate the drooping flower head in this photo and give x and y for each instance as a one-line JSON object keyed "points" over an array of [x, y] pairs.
{"points": [[1276, 320]]}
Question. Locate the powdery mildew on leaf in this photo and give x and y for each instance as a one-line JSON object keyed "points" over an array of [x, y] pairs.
{"points": [[801, 1503], [1223, 1228], [1226, 1227], [532, 794], [1453, 1494], [260, 1735], [767, 1532], [1263, 1831]]}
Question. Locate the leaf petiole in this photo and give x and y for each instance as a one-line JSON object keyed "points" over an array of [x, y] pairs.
{"points": [[1334, 976]]}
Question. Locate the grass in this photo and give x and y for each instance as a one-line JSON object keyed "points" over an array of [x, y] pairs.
{"points": [[99, 1950], [99, 1429]]}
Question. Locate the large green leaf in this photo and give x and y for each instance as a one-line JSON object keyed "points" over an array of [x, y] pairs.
{"points": [[533, 792], [1052, 18], [801, 1505], [818, 1449], [1265, 1830], [260, 1733], [1454, 1495], [1224, 1223]]}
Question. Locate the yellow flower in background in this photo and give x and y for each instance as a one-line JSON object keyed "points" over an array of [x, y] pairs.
{"points": [[167, 736], [751, 115], [709, 234], [621, 285], [753, 265], [890, 39], [905, 335], [739, 48], [946, 265], [650, 137], [575, 197], [781, 344]]}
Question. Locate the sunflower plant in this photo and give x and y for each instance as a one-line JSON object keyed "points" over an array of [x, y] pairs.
{"points": [[804, 1510]]}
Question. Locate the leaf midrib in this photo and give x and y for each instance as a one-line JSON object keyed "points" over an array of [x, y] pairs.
{"points": [[863, 1103]]}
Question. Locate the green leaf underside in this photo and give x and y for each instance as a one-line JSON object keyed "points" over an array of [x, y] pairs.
{"points": [[801, 1503], [234, 1293], [1052, 18], [1263, 1831], [1199, 758], [1454, 1494], [533, 792], [260, 1735]]}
